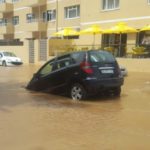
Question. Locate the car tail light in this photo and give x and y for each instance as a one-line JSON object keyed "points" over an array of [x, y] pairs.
{"points": [[86, 67]]}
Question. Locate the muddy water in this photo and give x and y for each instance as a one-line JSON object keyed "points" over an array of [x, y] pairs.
{"points": [[38, 121]]}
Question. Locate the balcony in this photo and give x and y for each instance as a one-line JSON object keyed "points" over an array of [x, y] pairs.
{"points": [[33, 3], [6, 7], [7, 29], [22, 35], [35, 25]]}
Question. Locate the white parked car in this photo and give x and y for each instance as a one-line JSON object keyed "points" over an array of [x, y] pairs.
{"points": [[9, 59], [124, 71]]}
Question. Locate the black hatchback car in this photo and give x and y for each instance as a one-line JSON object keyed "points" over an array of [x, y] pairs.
{"points": [[80, 74]]}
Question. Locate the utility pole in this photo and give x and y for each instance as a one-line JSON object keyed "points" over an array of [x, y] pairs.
{"points": [[56, 15]]}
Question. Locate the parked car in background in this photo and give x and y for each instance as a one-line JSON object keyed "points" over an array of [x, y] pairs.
{"points": [[80, 74], [9, 59], [124, 71]]}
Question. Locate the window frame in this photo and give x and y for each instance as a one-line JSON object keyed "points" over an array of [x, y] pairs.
{"points": [[51, 15], [15, 1], [67, 11], [15, 20], [3, 22], [2, 1], [30, 17], [105, 7]]}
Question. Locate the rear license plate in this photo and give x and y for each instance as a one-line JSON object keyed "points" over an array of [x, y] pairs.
{"points": [[107, 71]]}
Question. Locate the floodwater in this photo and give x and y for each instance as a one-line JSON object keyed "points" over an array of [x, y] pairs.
{"points": [[39, 121]]}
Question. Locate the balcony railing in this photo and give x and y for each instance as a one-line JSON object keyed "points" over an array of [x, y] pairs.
{"points": [[33, 3], [32, 20], [36, 24]]}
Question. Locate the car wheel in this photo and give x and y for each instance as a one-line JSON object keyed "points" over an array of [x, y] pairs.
{"points": [[78, 92], [4, 63], [117, 91]]}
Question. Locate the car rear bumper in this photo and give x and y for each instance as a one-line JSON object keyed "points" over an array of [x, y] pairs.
{"points": [[94, 85]]}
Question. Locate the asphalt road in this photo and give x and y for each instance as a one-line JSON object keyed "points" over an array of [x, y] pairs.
{"points": [[39, 121]]}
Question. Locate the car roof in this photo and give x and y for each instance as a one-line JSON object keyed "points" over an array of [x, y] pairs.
{"points": [[73, 52], [68, 53]]}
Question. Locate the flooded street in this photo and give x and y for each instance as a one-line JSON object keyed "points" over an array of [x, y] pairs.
{"points": [[39, 121]]}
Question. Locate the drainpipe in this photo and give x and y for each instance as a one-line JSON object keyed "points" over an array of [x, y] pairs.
{"points": [[39, 34], [56, 15], [39, 22], [56, 52]]}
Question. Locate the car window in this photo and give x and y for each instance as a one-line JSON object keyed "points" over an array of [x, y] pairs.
{"points": [[77, 57], [63, 63], [47, 69], [1, 55], [10, 54], [101, 56]]}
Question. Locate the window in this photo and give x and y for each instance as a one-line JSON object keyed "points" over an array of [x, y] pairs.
{"points": [[49, 15], [30, 18], [3, 22], [44, 16], [47, 69], [2, 1], [15, 20], [63, 63], [110, 4], [72, 12], [97, 57], [10, 54], [77, 57], [14, 1], [144, 38], [148, 2]]}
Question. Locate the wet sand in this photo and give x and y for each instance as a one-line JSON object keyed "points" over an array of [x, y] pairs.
{"points": [[38, 121]]}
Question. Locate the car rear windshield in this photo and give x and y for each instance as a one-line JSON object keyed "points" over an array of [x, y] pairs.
{"points": [[101, 56]]}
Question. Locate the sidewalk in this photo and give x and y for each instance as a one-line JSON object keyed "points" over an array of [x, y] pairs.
{"points": [[135, 65]]}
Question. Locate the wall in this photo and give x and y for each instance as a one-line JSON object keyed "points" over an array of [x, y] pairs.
{"points": [[136, 65]]}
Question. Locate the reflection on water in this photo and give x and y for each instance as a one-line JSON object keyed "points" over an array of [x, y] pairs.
{"points": [[40, 121]]}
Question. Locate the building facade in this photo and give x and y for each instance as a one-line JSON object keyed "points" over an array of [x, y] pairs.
{"points": [[27, 27]]}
